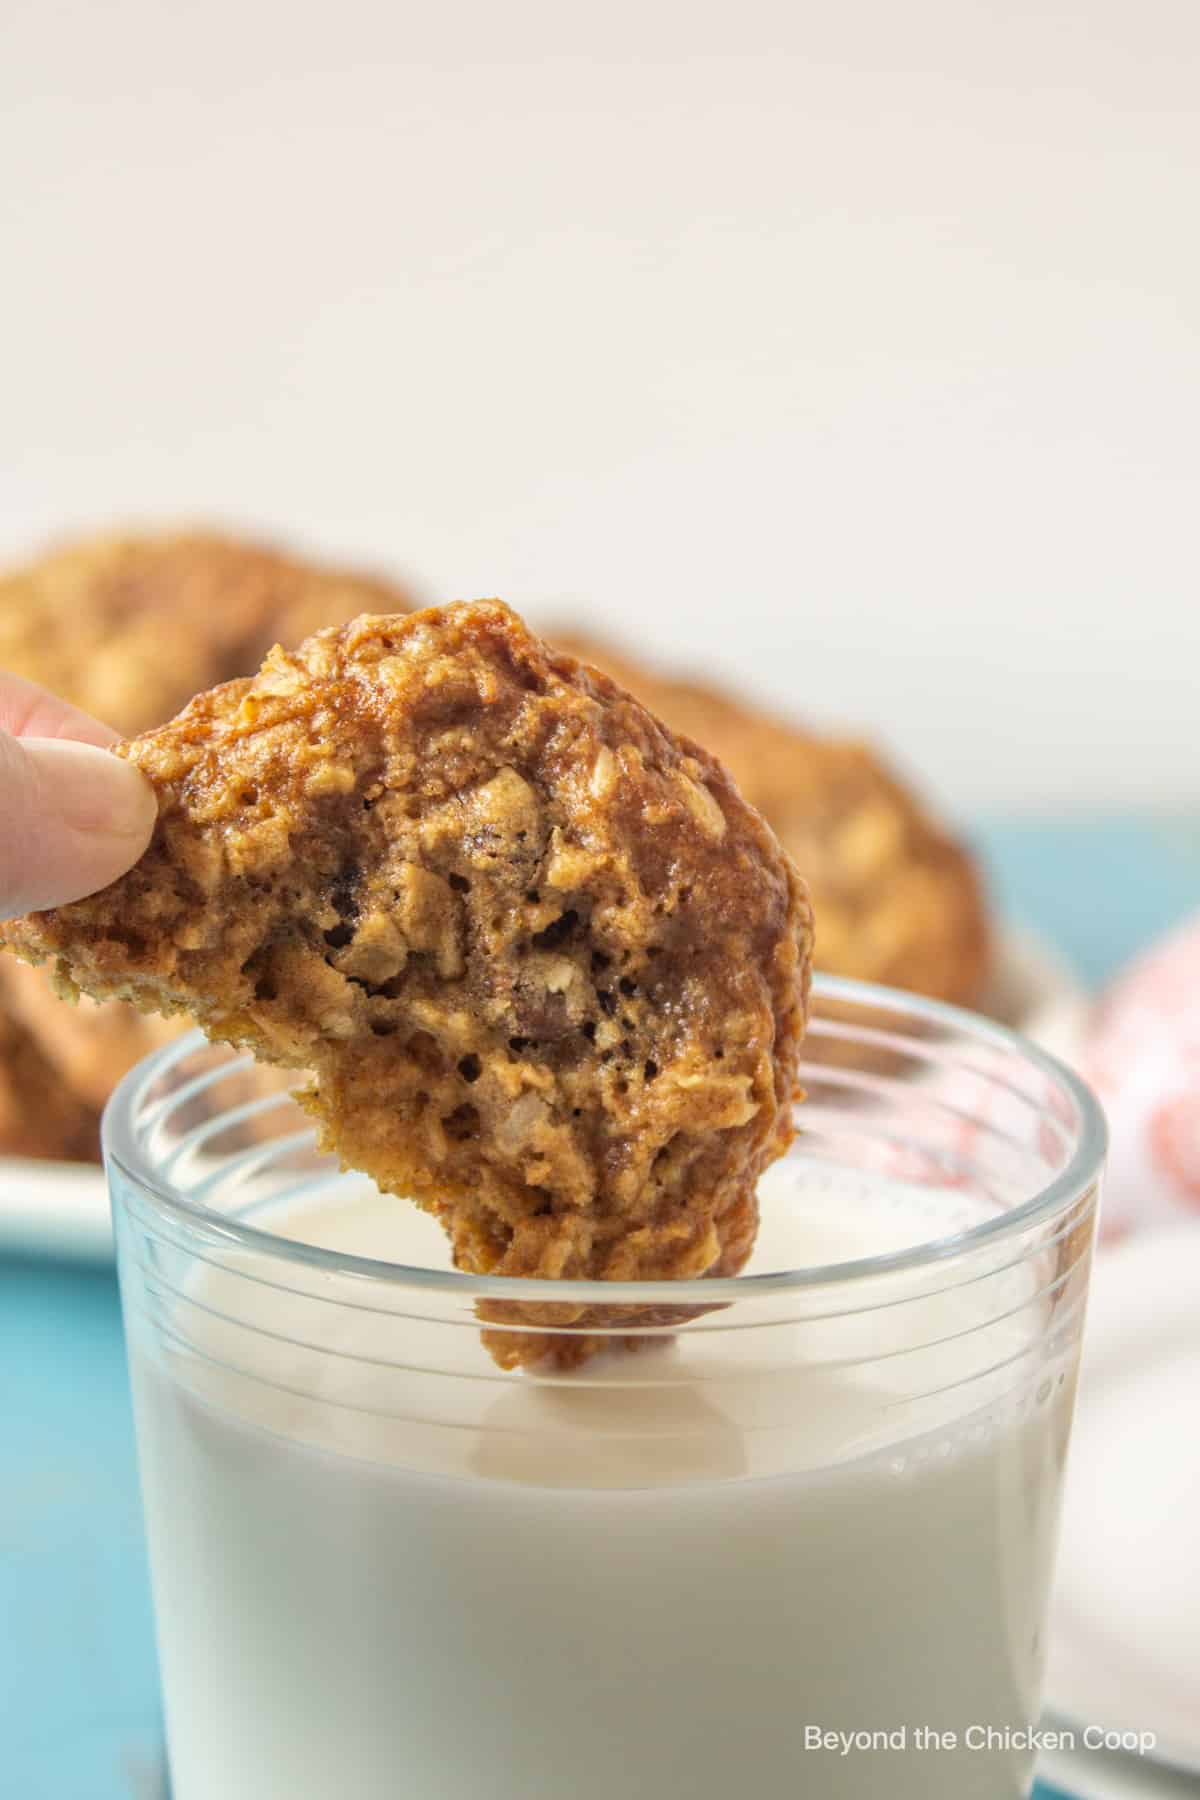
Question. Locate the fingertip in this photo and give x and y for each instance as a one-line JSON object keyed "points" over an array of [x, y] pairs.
{"points": [[81, 817], [91, 790]]}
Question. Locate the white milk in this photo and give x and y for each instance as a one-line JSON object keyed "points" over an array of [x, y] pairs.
{"points": [[361, 1595]]}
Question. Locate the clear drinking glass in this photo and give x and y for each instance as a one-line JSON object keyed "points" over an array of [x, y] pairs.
{"points": [[798, 1543]]}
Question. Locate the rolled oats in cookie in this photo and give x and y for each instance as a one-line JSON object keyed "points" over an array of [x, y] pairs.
{"points": [[546, 968]]}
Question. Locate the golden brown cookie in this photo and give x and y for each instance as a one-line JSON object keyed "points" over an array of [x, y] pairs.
{"points": [[547, 968], [39, 1114], [897, 899], [129, 628]]}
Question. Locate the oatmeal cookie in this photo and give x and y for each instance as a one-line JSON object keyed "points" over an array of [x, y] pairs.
{"points": [[129, 628], [547, 969], [39, 1114], [897, 899]]}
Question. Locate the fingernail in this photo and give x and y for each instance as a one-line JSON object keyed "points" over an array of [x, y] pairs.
{"points": [[91, 790]]}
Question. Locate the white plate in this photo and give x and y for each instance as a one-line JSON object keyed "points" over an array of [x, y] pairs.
{"points": [[1125, 1630], [54, 1209], [61, 1209], [1035, 990]]}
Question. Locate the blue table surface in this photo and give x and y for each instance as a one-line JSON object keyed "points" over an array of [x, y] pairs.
{"points": [[79, 1705]]}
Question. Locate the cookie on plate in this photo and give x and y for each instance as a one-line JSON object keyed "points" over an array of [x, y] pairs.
{"points": [[39, 1114], [546, 967], [130, 627], [90, 1045], [897, 898]]}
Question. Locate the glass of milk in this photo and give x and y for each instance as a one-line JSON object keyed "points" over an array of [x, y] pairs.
{"points": [[797, 1543]]}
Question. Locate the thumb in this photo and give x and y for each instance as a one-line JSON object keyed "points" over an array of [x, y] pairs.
{"points": [[72, 818]]}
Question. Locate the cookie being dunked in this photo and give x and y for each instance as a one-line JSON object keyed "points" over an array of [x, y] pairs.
{"points": [[547, 969]]}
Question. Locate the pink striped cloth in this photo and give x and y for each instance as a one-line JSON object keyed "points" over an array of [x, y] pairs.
{"points": [[1141, 1053]]}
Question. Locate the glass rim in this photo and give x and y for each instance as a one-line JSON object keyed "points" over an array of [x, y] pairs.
{"points": [[1081, 1172]]}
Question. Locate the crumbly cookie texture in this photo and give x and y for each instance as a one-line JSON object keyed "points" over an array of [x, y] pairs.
{"points": [[547, 969], [898, 899], [130, 627]]}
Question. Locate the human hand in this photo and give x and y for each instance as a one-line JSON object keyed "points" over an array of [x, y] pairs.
{"points": [[72, 817]]}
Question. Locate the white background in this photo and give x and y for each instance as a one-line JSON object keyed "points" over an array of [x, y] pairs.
{"points": [[851, 349]]}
